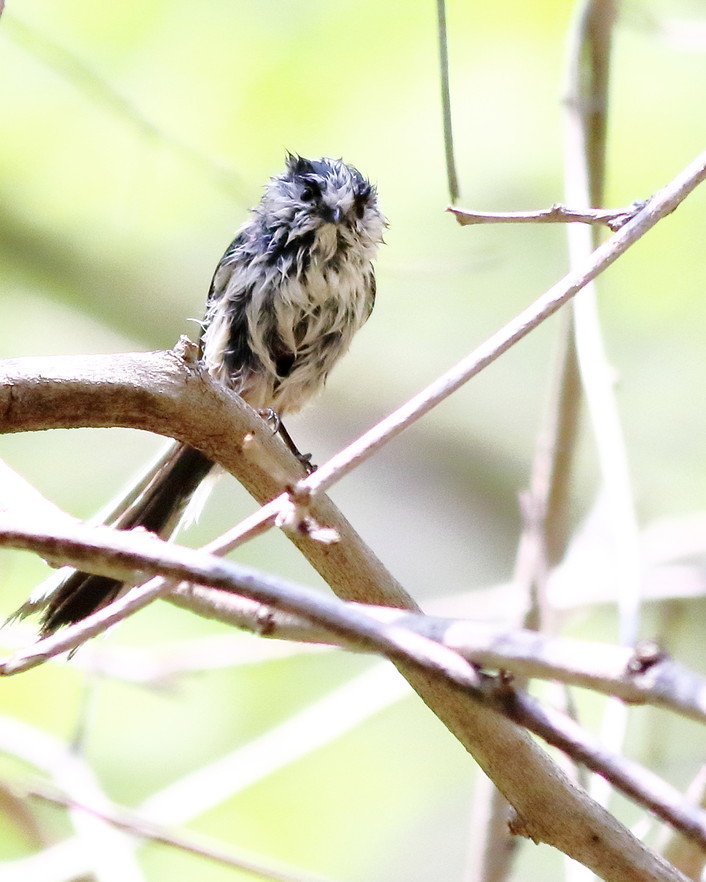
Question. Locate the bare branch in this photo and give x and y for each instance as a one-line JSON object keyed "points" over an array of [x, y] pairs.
{"points": [[641, 675], [125, 554], [168, 393], [429, 667], [400, 644], [681, 851], [342, 463], [451, 176], [644, 675], [613, 218], [133, 822], [504, 751], [634, 780]]}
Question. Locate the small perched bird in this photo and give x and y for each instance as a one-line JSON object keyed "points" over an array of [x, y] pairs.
{"points": [[287, 297]]}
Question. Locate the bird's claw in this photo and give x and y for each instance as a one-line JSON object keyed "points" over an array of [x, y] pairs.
{"points": [[272, 418], [305, 460]]}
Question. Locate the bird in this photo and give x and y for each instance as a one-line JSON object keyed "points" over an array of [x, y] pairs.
{"points": [[292, 289]]}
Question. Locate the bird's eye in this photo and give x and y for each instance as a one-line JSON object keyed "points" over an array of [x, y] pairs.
{"points": [[359, 207], [310, 191]]}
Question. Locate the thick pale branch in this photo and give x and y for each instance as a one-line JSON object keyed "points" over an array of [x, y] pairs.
{"points": [[168, 393], [210, 418], [528, 778]]}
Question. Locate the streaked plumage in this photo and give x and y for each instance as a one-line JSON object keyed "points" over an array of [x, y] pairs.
{"points": [[286, 299], [295, 285]]}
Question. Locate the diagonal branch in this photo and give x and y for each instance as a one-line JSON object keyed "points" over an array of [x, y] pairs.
{"points": [[644, 675], [135, 823], [168, 393], [131, 391], [148, 554], [658, 207]]}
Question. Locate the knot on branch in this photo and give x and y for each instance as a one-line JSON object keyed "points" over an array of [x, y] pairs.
{"points": [[186, 351], [646, 655]]}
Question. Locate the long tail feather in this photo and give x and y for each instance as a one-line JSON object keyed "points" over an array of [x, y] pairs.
{"points": [[158, 509]]}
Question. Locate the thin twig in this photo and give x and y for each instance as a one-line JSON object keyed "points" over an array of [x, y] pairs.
{"points": [[659, 206], [392, 640], [451, 175], [613, 218], [116, 552], [680, 851], [586, 133], [644, 675], [491, 844], [632, 779], [134, 823], [545, 504], [101, 852], [79, 546], [84, 78]]}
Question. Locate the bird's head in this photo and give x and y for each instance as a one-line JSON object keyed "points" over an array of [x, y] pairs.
{"points": [[326, 205]]}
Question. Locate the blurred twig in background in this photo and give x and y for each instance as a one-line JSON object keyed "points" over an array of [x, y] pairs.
{"points": [[451, 175], [461, 673], [100, 94]]}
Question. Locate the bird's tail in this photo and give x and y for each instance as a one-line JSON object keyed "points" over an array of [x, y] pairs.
{"points": [[158, 507]]}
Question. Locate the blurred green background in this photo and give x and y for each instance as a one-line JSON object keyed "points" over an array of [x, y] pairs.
{"points": [[134, 138]]}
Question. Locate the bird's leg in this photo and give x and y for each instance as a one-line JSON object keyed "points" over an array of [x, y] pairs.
{"points": [[278, 428]]}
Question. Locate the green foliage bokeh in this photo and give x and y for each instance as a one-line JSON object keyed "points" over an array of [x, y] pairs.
{"points": [[135, 136]]}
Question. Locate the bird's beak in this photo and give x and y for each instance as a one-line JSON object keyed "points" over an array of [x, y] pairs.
{"points": [[336, 215]]}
